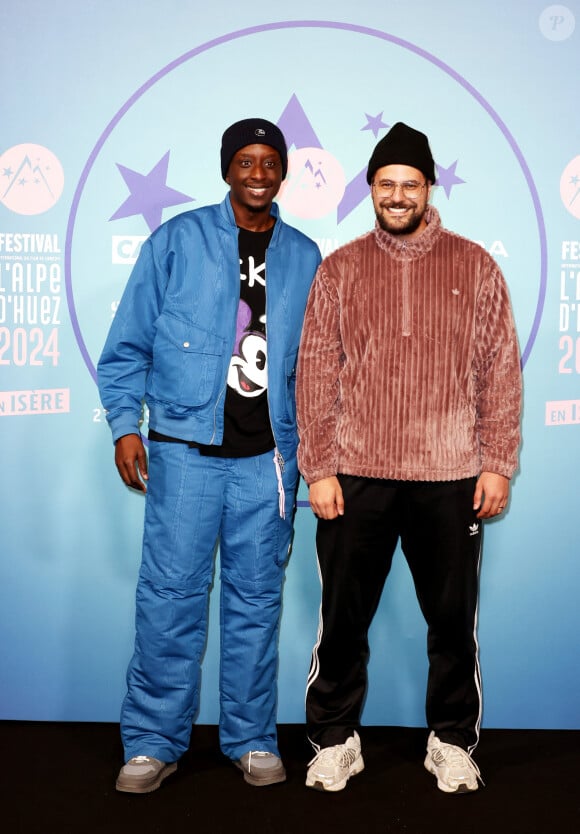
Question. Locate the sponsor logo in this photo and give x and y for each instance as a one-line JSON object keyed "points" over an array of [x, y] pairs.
{"points": [[126, 248], [45, 401], [563, 413], [557, 23]]}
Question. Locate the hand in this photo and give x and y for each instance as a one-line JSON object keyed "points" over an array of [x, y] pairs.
{"points": [[491, 494], [131, 461], [326, 498]]}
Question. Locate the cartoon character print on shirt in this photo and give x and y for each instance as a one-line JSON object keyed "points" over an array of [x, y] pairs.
{"points": [[248, 372]]}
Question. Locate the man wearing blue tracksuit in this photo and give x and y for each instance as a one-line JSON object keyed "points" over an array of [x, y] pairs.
{"points": [[207, 333]]}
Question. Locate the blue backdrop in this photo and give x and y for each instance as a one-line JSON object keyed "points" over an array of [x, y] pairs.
{"points": [[110, 122]]}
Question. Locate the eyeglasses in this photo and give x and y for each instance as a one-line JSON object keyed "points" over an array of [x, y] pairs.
{"points": [[386, 188]]}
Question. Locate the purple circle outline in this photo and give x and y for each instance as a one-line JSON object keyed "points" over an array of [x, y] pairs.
{"points": [[303, 24]]}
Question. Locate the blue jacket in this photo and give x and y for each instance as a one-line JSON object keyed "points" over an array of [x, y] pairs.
{"points": [[172, 337]]}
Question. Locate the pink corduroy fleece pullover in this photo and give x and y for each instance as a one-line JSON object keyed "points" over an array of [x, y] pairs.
{"points": [[409, 365]]}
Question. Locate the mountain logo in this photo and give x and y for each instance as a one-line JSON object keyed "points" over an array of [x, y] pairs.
{"points": [[31, 179]]}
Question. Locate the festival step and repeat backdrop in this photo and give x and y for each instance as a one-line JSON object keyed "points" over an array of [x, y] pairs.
{"points": [[111, 117]]}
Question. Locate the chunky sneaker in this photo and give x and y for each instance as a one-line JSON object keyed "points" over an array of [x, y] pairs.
{"points": [[261, 768], [453, 767], [331, 769], [143, 774]]}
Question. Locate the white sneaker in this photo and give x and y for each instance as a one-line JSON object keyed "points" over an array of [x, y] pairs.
{"points": [[261, 768], [143, 774], [331, 769], [453, 767]]}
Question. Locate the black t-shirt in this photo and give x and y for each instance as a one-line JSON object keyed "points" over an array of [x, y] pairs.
{"points": [[247, 429]]}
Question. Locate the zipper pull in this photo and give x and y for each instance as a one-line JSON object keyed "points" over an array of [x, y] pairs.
{"points": [[280, 460], [279, 466]]}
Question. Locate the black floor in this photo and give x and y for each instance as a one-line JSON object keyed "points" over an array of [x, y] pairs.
{"points": [[60, 778]]}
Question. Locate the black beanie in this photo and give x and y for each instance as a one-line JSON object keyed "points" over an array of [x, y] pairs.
{"points": [[403, 145], [252, 132]]}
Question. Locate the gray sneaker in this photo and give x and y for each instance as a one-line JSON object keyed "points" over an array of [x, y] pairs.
{"points": [[332, 767], [143, 774], [452, 766], [261, 768]]}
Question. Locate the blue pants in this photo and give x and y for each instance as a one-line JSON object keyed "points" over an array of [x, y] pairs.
{"points": [[192, 502]]}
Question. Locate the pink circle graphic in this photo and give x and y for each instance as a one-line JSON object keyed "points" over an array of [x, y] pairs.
{"points": [[31, 179], [315, 183], [570, 187]]}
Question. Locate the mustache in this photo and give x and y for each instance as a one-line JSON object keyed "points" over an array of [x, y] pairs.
{"points": [[403, 204]]}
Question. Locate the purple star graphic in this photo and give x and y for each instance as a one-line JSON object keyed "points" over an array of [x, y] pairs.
{"points": [[447, 178], [149, 194], [374, 123]]}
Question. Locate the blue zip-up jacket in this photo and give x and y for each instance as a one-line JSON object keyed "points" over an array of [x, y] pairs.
{"points": [[172, 337]]}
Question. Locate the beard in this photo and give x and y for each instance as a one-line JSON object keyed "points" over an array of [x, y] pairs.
{"points": [[394, 225]]}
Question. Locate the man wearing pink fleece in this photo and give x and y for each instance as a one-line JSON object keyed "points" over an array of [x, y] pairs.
{"points": [[408, 397]]}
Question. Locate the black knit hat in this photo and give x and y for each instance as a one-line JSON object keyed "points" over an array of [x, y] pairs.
{"points": [[252, 132], [403, 145]]}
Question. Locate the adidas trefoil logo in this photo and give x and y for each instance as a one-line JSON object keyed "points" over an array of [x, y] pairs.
{"points": [[474, 529]]}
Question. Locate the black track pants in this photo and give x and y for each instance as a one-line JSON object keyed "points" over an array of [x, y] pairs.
{"points": [[441, 539]]}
